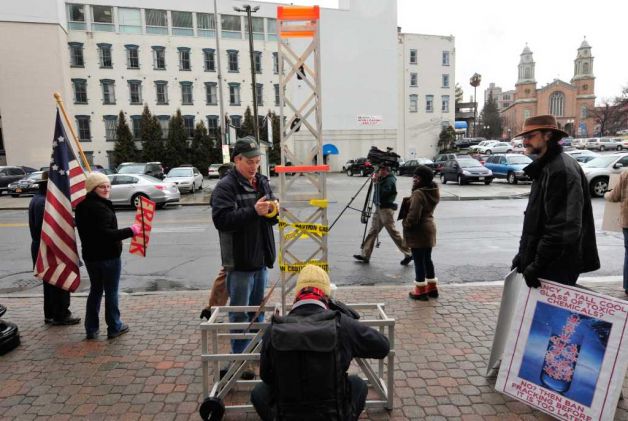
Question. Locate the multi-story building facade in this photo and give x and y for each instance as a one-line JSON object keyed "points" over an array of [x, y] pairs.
{"points": [[502, 99], [568, 102]]}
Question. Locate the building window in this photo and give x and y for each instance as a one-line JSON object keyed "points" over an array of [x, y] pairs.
{"points": [[445, 103], [276, 63], [156, 22], [526, 73], [231, 26], [206, 24], [259, 93], [414, 103], [129, 20], [413, 57], [236, 121], [445, 81], [445, 58], [232, 57], [186, 93], [584, 112], [135, 92], [164, 123], [182, 24], [132, 56], [135, 126], [108, 91], [184, 58], [102, 18], [76, 54], [161, 87], [585, 87], [84, 131], [188, 122], [526, 114], [557, 104], [80, 91], [258, 27], [76, 17], [210, 93], [271, 29], [212, 123], [234, 94], [414, 80], [159, 58], [585, 68], [257, 61], [104, 55], [277, 96], [209, 59], [111, 121], [429, 103]]}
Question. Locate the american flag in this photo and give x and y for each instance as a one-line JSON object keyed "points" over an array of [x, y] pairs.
{"points": [[57, 260]]}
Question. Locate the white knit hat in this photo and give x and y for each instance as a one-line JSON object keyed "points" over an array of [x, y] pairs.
{"points": [[95, 179], [313, 277]]}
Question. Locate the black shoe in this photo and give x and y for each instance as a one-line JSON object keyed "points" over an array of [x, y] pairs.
{"points": [[406, 260], [361, 258], [92, 335], [48, 320], [124, 329], [67, 321]]}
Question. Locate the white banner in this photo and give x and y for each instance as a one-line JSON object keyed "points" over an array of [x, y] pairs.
{"points": [[370, 120], [566, 354]]}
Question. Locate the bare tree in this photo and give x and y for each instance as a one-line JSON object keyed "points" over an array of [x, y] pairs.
{"points": [[608, 117]]}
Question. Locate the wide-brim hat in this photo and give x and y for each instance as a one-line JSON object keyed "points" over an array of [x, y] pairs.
{"points": [[542, 122]]}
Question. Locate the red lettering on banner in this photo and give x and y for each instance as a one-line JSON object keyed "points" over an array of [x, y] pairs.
{"points": [[144, 216]]}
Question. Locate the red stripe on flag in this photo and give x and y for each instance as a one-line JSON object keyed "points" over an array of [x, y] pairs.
{"points": [[60, 208], [59, 234], [58, 253]]}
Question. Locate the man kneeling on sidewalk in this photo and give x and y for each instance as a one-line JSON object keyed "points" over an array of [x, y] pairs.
{"points": [[305, 357]]}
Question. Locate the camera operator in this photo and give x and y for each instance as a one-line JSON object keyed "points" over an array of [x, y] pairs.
{"points": [[385, 192]]}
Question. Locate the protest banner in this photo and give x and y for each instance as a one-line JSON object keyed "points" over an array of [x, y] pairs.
{"points": [[144, 216], [566, 354], [611, 220]]}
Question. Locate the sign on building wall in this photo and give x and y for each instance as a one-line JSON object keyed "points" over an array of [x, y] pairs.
{"points": [[370, 120], [566, 354]]}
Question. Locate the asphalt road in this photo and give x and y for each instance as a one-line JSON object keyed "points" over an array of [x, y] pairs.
{"points": [[476, 242]]}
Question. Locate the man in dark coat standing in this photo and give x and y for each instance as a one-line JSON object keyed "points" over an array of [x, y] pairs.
{"points": [[558, 239], [56, 300]]}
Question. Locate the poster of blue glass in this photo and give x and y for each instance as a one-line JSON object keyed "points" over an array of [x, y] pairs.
{"points": [[566, 354]]}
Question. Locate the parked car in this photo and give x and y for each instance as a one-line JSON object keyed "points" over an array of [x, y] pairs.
{"points": [[187, 179], [212, 171], [126, 190], [566, 142], [100, 168], [360, 166], [347, 165], [26, 185], [582, 155], [29, 170], [408, 167], [464, 170], [604, 144], [598, 171], [440, 159], [509, 166], [579, 143], [154, 169], [583, 159], [497, 147], [476, 148], [8, 175]]}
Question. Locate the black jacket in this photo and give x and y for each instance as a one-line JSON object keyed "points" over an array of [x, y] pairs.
{"points": [[36, 220], [98, 228], [558, 239], [357, 340], [246, 239]]}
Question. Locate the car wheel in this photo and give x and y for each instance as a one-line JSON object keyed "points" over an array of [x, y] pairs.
{"points": [[509, 151], [602, 148], [443, 179], [511, 178], [135, 200], [361, 173], [619, 147], [488, 152], [15, 195], [460, 180], [599, 186], [160, 205], [489, 181], [349, 173]]}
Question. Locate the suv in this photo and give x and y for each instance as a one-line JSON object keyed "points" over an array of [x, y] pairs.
{"points": [[440, 159], [9, 175], [603, 144], [154, 169], [360, 166]]}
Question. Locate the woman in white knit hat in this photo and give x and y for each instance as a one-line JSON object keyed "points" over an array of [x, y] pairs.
{"points": [[101, 244]]}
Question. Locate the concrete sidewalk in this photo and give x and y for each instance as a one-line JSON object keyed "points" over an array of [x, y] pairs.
{"points": [[153, 372]]}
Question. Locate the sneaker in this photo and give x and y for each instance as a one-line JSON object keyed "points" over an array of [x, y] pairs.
{"points": [[361, 258], [67, 321], [406, 260], [124, 329], [91, 335]]}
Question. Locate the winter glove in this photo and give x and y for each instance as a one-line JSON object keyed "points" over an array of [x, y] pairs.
{"points": [[136, 228], [531, 277], [343, 308], [206, 313], [515, 263]]}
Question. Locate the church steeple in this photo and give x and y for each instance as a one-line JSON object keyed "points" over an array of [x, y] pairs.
{"points": [[583, 64], [526, 67]]}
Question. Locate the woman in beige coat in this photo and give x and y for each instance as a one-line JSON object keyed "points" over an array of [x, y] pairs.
{"points": [[620, 194], [419, 232]]}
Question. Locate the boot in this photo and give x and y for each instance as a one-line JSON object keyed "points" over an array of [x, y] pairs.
{"points": [[419, 292], [432, 288]]}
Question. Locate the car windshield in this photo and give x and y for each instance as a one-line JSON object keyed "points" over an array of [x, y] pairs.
{"points": [[425, 161], [216, 166], [34, 176], [180, 172], [519, 160], [469, 163], [131, 169], [601, 161]]}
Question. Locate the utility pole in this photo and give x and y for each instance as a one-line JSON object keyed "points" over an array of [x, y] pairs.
{"points": [[249, 11], [475, 82], [222, 124]]}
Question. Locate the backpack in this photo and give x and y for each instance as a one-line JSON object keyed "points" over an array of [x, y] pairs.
{"points": [[309, 382]]}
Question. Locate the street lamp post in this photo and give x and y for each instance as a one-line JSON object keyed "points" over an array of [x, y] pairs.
{"points": [[486, 130], [247, 8], [475, 82]]}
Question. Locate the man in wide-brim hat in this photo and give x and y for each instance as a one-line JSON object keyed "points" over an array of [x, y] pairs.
{"points": [[558, 238]]}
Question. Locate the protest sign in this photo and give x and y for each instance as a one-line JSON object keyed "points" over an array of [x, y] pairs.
{"points": [[566, 354], [144, 216], [611, 220]]}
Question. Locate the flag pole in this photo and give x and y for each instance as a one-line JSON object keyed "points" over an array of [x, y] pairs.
{"points": [[143, 226], [59, 100]]}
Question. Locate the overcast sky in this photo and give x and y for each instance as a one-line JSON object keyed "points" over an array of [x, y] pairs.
{"points": [[490, 36]]}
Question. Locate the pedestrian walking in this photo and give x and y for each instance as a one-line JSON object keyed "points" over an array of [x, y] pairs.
{"points": [[619, 193], [56, 300], [384, 195], [419, 232], [101, 242], [558, 239]]}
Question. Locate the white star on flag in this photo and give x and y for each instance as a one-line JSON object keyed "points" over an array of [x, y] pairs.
{"points": [[61, 172], [55, 167], [61, 139]]}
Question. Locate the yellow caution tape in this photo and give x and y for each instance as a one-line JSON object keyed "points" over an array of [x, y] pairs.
{"points": [[275, 209], [296, 267], [319, 203], [305, 226]]}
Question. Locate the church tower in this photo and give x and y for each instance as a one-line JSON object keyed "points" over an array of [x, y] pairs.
{"points": [[584, 81], [525, 88]]}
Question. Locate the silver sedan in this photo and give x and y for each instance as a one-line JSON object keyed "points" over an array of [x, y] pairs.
{"points": [[126, 190]]}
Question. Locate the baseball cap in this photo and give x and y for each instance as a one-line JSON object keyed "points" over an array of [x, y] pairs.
{"points": [[247, 148]]}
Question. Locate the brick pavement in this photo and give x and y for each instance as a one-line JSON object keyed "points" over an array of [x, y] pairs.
{"points": [[154, 373]]}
